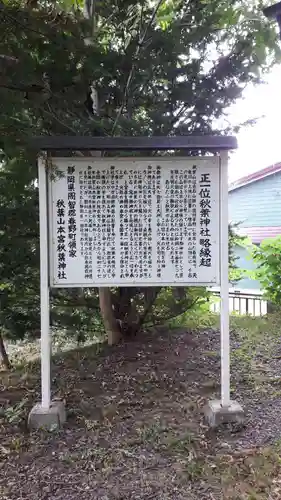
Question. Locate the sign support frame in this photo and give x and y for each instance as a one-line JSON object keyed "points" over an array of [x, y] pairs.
{"points": [[224, 283], [44, 286], [220, 145]]}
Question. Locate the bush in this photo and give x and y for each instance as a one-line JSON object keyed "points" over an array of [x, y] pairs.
{"points": [[268, 260]]}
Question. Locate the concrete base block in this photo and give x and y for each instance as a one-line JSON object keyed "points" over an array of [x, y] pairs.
{"points": [[47, 418], [216, 415]]}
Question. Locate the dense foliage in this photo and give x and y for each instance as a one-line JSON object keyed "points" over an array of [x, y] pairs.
{"points": [[267, 257], [159, 67], [234, 240]]}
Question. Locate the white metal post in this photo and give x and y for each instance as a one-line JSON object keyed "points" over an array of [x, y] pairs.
{"points": [[224, 285], [44, 288]]}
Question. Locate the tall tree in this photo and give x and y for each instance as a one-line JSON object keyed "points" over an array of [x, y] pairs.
{"points": [[160, 67]]}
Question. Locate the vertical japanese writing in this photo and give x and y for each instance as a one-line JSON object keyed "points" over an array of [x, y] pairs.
{"points": [[81, 210], [159, 224], [124, 228], [97, 242], [90, 224], [113, 178], [147, 249], [136, 221], [61, 237], [194, 216], [190, 177], [175, 215], [205, 219], [86, 220], [71, 195], [88, 211]]}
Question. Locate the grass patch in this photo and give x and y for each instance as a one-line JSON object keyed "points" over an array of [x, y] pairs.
{"points": [[195, 469], [152, 434], [252, 475], [15, 414], [200, 318], [256, 342], [26, 352], [165, 441], [182, 444]]}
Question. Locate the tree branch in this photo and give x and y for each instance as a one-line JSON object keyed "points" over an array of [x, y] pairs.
{"points": [[9, 59], [14, 20], [54, 117], [147, 310], [130, 76], [23, 88]]}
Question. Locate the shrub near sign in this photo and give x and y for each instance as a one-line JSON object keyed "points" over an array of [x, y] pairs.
{"points": [[129, 221]]}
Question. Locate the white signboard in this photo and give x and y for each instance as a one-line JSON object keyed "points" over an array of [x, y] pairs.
{"points": [[134, 222]]}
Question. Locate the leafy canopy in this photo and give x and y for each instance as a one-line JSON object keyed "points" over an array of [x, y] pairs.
{"points": [[160, 67]]}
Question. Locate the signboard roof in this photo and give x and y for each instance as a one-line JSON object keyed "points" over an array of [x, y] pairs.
{"points": [[190, 142]]}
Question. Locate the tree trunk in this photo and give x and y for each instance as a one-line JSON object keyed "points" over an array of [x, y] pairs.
{"points": [[111, 326], [125, 310], [3, 354]]}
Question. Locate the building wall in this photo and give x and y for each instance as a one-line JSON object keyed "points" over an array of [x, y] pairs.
{"points": [[255, 205], [258, 203]]}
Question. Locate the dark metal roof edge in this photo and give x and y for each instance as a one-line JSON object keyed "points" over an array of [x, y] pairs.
{"points": [[80, 143]]}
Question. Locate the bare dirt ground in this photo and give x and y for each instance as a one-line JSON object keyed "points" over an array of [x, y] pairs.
{"points": [[135, 426]]}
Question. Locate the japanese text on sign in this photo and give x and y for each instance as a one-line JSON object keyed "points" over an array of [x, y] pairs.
{"points": [[134, 221]]}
